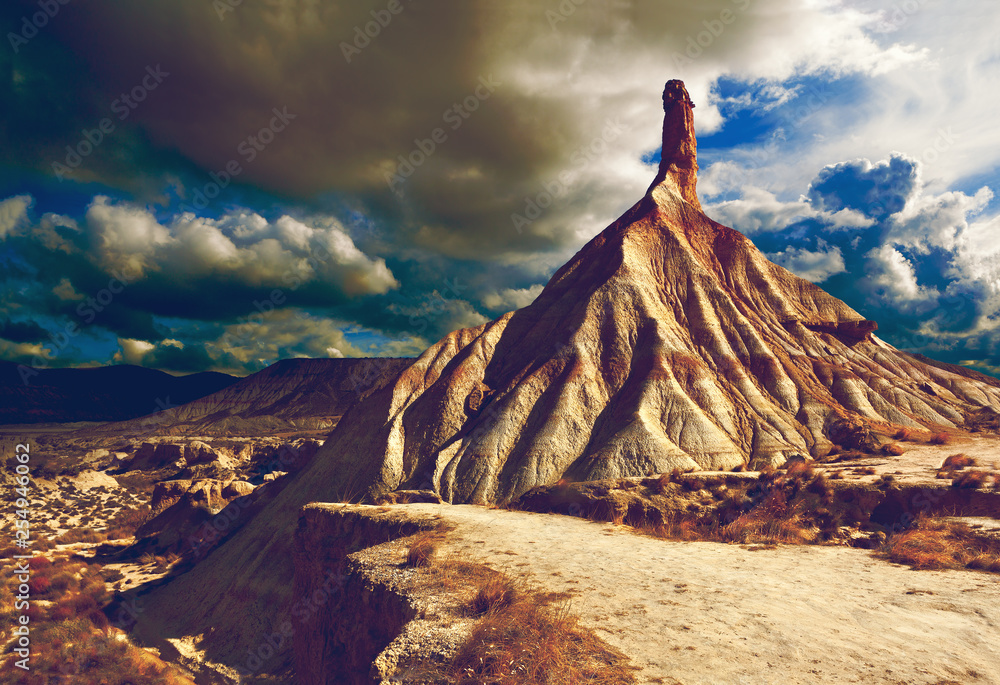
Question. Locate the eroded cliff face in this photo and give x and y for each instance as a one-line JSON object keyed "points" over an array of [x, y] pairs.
{"points": [[355, 598]]}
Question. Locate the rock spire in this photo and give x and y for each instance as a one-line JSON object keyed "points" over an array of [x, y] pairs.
{"points": [[679, 154]]}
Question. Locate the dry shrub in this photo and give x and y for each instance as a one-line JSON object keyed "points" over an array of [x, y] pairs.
{"points": [[661, 485], [846, 455], [421, 549], [971, 480], [127, 521], [884, 481], [939, 439], [770, 522], [39, 585], [893, 449], [79, 651], [800, 470], [524, 640], [904, 434], [678, 528], [692, 484], [935, 544], [81, 535], [38, 563], [957, 462], [498, 592], [985, 562]]}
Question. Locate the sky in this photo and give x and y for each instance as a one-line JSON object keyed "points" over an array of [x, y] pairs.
{"points": [[196, 185]]}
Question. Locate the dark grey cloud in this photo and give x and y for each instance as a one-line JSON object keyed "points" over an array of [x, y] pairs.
{"points": [[473, 112], [22, 331]]}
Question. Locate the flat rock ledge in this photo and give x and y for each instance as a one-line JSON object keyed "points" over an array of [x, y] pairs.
{"points": [[685, 612]]}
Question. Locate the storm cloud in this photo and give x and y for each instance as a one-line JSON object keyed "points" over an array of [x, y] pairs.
{"points": [[402, 168]]}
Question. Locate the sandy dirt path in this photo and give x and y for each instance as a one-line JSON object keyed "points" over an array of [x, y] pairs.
{"points": [[708, 613]]}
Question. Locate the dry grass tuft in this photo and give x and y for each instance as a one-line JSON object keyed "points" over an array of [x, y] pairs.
{"points": [[522, 640], [422, 549], [939, 439], [971, 480], [904, 434], [935, 544], [957, 462], [496, 593], [661, 485], [893, 449], [127, 521], [81, 535]]}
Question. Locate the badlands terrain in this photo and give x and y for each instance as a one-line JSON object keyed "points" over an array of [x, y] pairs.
{"points": [[680, 464]]}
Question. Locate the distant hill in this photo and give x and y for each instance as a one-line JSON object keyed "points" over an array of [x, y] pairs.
{"points": [[110, 393], [290, 395]]}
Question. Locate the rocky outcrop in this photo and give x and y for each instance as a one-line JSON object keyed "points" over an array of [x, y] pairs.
{"points": [[213, 494], [192, 516], [366, 618], [846, 331], [198, 452], [237, 488], [153, 456]]}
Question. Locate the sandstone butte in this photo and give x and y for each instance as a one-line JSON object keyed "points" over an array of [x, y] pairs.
{"points": [[668, 341]]}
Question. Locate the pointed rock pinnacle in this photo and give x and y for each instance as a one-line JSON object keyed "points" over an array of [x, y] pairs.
{"points": [[679, 155]]}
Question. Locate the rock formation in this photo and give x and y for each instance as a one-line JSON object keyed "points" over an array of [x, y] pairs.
{"points": [[667, 341]]}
